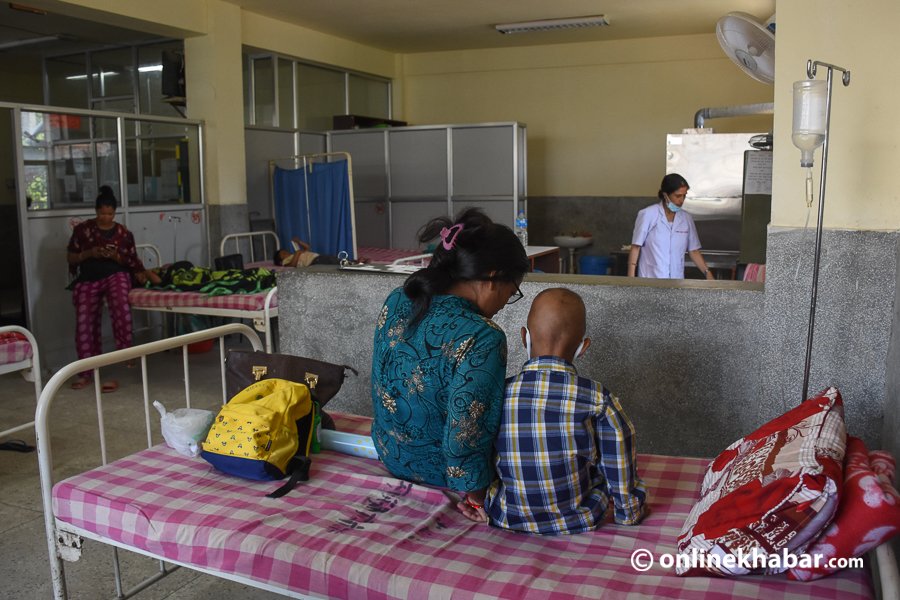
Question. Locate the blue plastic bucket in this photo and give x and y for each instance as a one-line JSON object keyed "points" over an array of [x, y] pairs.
{"points": [[594, 265]]}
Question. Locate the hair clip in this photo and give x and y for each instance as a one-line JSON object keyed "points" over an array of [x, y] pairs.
{"points": [[448, 236]]}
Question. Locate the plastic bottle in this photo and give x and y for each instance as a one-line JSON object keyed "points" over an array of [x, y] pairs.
{"points": [[522, 227]]}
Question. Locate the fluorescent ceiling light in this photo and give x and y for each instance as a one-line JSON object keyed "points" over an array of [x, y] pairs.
{"points": [[102, 74], [149, 68], [551, 24], [28, 42]]}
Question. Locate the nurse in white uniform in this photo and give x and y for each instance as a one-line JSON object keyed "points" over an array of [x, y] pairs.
{"points": [[663, 232]]}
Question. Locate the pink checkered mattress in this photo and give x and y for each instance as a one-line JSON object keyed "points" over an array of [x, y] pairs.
{"points": [[385, 256], [353, 531], [144, 298], [13, 349]]}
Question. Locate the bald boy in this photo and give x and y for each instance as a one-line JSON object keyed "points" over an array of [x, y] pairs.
{"points": [[565, 450]]}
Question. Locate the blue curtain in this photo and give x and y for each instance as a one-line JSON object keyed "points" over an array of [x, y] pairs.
{"points": [[290, 206], [327, 226]]}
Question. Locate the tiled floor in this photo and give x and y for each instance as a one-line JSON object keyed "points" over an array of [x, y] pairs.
{"points": [[24, 567]]}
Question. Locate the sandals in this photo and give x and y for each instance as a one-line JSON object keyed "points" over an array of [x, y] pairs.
{"points": [[81, 383], [16, 446], [107, 387]]}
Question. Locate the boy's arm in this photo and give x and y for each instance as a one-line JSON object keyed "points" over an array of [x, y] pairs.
{"points": [[618, 462]]}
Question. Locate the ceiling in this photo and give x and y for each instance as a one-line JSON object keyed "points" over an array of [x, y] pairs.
{"points": [[24, 33], [408, 26]]}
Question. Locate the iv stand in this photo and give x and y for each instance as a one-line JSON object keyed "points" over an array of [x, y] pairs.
{"points": [[845, 78]]}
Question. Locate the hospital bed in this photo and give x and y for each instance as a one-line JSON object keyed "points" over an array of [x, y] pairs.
{"points": [[260, 308], [354, 531], [17, 355]]}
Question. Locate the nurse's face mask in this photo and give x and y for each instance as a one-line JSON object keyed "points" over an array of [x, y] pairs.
{"points": [[528, 344]]}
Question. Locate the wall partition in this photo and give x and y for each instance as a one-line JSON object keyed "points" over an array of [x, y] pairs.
{"points": [[405, 176], [63, 157]]}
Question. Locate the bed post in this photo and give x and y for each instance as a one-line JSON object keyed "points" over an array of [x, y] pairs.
{"points": [[57, 574]]}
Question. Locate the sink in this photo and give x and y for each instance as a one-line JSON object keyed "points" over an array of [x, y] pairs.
{"points": [[571, 241]]}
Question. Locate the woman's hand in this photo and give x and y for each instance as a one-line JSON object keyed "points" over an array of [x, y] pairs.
{"points": [[472, 507], [109, 252]]}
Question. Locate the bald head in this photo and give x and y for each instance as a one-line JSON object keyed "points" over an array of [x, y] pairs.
{"points": [[557, 323]]}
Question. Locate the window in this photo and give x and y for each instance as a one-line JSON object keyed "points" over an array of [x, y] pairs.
{"points": [[290, 94], [65, 163], [320, 96], [370, 97], [67, 82], [159, 159], [124, 79], [150, 75], [62, 160], [264, 90]]}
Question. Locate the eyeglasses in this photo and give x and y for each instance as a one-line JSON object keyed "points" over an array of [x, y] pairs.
{"points": [[515, 297]]}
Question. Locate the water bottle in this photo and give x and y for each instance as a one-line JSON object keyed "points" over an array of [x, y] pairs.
{"points": [[522, 227]]}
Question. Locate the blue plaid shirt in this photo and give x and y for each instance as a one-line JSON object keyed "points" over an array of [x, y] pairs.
{"points": [[565, 449]]}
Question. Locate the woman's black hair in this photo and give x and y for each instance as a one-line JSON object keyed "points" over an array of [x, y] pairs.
{"points": [[671, 183], [480, 247], [106, 197]]}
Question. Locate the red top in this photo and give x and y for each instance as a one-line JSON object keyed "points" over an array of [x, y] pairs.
{"points": [[88, 235]]}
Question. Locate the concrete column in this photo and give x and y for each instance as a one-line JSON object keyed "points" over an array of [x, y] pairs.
{"points": [[214, 82]]}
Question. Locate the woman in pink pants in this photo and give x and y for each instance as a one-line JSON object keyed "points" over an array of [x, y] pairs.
{"points": [[103, 257]]}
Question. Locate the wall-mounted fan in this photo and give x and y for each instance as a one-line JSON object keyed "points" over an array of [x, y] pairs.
{"points": [[749, 44]]}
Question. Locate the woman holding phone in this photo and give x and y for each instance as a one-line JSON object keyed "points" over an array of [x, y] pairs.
{"points": [[103, 258], [663, 233]]}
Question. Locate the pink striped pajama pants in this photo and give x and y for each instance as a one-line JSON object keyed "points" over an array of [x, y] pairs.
{"points": [[88, 299]]}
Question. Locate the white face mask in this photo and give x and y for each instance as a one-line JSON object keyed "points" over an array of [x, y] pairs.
{"points": [[528, 344]]}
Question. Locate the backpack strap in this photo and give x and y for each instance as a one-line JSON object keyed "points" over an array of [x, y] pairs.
{"points": [[299, 467]]}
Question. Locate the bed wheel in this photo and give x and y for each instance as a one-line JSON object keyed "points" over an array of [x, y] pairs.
{"points": [[68, 546]]}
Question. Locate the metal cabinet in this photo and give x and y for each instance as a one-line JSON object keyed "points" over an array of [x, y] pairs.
{"points": [[404, 176]]}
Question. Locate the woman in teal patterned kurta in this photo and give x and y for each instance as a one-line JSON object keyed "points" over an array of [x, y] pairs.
{"points": [[439, 362]]}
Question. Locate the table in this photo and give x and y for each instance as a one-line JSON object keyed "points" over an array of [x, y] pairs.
{"points": [[544, 258], [723, 263]]}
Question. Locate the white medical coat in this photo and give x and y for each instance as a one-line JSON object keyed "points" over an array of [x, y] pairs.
{"points": [[663, 244]]}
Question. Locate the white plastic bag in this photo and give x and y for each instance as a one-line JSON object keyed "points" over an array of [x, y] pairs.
{"points": [[184, 428]]}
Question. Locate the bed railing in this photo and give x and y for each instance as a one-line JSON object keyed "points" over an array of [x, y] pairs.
{"points": [[249, 239], [95, 363], [34, 363], [149, 250]]}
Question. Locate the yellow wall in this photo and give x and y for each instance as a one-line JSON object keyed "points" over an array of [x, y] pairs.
{"points": [[172, 18], [597, 113], [214, 80], [864, 144], [277, 36], [22, 82]]}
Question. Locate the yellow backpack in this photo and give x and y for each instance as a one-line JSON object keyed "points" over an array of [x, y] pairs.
{"points": [[264, 433]]}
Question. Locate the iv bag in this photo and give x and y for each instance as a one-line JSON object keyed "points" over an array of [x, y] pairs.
{"points": [[809, 118]]}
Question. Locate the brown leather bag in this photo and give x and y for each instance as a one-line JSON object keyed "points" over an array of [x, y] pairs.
{"points": [[243, 367]]}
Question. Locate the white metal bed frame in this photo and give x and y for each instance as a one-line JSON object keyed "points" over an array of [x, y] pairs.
{"points": [[262, 319], [64, 541], [33, 363]]}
